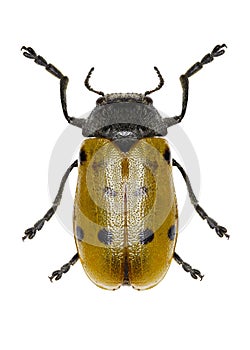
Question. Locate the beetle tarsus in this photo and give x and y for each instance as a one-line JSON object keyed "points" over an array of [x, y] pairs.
{"points": [[30, 53], [216, 52], [29, 233], [188, 268], [220, 230], [57, 274]]}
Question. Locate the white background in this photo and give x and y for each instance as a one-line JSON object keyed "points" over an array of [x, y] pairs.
{"points": [[124, 40]]}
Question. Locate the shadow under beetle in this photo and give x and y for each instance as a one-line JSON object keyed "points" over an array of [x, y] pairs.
{"points": [[125, 212]]}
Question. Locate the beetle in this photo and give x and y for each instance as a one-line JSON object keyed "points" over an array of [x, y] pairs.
{"points": [[125, 217]]}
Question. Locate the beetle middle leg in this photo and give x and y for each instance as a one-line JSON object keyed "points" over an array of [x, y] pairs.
{"points": [[31, 232], [193, 272], [220, 230], [57, 274]]}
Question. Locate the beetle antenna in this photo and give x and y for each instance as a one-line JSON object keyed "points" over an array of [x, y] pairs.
{"points": [[86, 82], [160, 85]]}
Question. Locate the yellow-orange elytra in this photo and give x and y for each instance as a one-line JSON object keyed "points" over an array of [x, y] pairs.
{"points": [[125, 205]]}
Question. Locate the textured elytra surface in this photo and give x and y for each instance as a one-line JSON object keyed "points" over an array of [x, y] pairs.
{"points": [[125, 204]]}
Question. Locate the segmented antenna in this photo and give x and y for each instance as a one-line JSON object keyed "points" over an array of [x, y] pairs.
{"points": [[86, 82], [160, 85]]}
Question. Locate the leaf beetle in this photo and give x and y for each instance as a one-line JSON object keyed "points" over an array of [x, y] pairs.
{"points": [[125, 217]]}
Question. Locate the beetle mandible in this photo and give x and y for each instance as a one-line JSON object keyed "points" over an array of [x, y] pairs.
{"points": [[125, 213]]}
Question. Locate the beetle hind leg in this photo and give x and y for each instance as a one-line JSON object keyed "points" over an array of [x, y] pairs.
{"points": [[220, 230], [186, 267], [57, 274]]}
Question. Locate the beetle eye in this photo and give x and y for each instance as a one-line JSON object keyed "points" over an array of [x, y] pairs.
{"points": [[100, 100], [148, 99]]}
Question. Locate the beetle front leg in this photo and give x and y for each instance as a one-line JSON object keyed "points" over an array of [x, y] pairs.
{"points": [[220, 230], [31, 54], [31, 232], [184, 79]]}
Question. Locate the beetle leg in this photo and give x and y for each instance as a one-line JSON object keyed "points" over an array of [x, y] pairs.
{"points": [[220, 230], [193, 272], [30, 232], [217, 51], [57, 274], [30, 53]]}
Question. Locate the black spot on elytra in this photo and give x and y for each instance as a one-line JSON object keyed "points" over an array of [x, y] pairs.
{"points": [[82, 156], [152, 164], [98, 165], [167, 155], [141, 191], [146, 236], [79, 233], [105, 236], [109, 192], [171, 233]]}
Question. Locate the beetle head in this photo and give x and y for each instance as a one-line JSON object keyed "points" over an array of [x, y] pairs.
{"points": [[119, 114]]}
